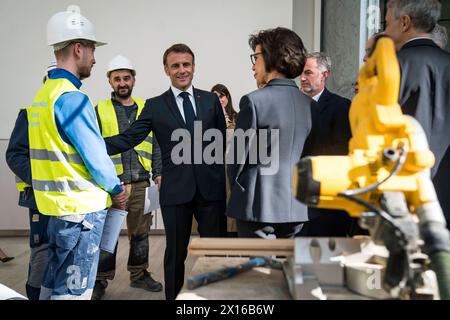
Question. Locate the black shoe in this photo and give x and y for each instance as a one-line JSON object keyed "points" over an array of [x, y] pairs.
{"points": [[99, 290], [146, 282]]}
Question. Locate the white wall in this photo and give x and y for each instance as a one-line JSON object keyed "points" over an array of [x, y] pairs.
{"points": [[216, 30], [12, 217], [306, 22]]}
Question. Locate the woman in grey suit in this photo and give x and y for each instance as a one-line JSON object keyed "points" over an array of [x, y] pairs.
{"points": [[277, 119]]}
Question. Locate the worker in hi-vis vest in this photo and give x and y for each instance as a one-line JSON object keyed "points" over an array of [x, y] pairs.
{"points": [[133, 169], [73, 178], [18, 160]]}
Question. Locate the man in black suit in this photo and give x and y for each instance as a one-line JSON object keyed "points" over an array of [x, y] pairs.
{"points": [[330, 136], [189, 186], [425, 79]]}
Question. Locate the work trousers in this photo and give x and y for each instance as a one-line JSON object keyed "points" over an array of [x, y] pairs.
{"points": [[138, 227], [73, 252]]}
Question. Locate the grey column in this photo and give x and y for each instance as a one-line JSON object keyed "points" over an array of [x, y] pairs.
{"points": [[340, 40]]}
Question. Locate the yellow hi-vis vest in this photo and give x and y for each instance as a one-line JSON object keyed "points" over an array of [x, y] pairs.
{"points": [[21, 185], [61, 182], [110, 127]]}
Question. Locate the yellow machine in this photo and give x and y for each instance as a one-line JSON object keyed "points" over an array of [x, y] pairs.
{"points": [[385, 180]]}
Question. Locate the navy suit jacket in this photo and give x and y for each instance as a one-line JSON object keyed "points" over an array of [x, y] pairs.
{"points": [[331, 131], [330, 134], [179, 182]]}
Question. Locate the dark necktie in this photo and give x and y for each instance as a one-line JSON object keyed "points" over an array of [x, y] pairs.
{"points": [[189, 115]]}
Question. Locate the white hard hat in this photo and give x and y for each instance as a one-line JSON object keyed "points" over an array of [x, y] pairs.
{"points": [[70, 25], [120, 62], [50, 67]]}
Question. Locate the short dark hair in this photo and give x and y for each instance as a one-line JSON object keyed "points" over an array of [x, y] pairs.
{"points": [[424, 14], [178, 48], [282, 50]]}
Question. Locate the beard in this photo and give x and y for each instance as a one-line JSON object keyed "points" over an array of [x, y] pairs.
{"points": [[85, 72], [85, 68], [122, 95], [307, 89]]}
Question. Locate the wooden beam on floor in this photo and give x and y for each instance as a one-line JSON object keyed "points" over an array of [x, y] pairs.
{"points": [[241, 247]]}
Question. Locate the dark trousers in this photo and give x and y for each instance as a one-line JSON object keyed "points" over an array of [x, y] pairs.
{"points": [[38, 228], [138, 227], [177, 219], [39, 253], [137, 260], [332, 223]]}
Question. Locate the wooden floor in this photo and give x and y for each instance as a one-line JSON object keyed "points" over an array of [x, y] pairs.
{"points": [[13, 274]]}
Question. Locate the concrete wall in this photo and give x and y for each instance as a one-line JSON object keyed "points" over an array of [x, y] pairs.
{"points": [[216, 30], [340, 40]]}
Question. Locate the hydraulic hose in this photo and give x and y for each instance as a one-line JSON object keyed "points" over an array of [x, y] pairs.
{"points": [[437, 244], [440, 264]]}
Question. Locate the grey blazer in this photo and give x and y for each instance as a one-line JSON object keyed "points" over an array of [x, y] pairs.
{"points": [[255, 194]]}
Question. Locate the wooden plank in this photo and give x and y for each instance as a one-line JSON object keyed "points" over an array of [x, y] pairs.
{"points": [[240, 253], [241, 247]]}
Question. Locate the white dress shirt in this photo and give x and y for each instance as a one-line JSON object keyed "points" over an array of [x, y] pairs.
{"points": [[317, 96], [179, 100], [417, 38]]}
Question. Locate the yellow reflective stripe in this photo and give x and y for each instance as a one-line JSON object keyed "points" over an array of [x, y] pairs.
{"points": [[63, 186], [21, 185], [20, 181], [149, 139], [58, 156]]}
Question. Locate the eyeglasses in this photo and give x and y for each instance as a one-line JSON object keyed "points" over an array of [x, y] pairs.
{"points": [[253, 57]]}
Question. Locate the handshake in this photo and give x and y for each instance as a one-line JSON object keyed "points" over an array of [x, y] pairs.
{"points": [[120, 200]]}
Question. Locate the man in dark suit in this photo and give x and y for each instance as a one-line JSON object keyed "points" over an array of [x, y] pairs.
{"points": [[190, 186], [330, 136], [425, 79]]}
